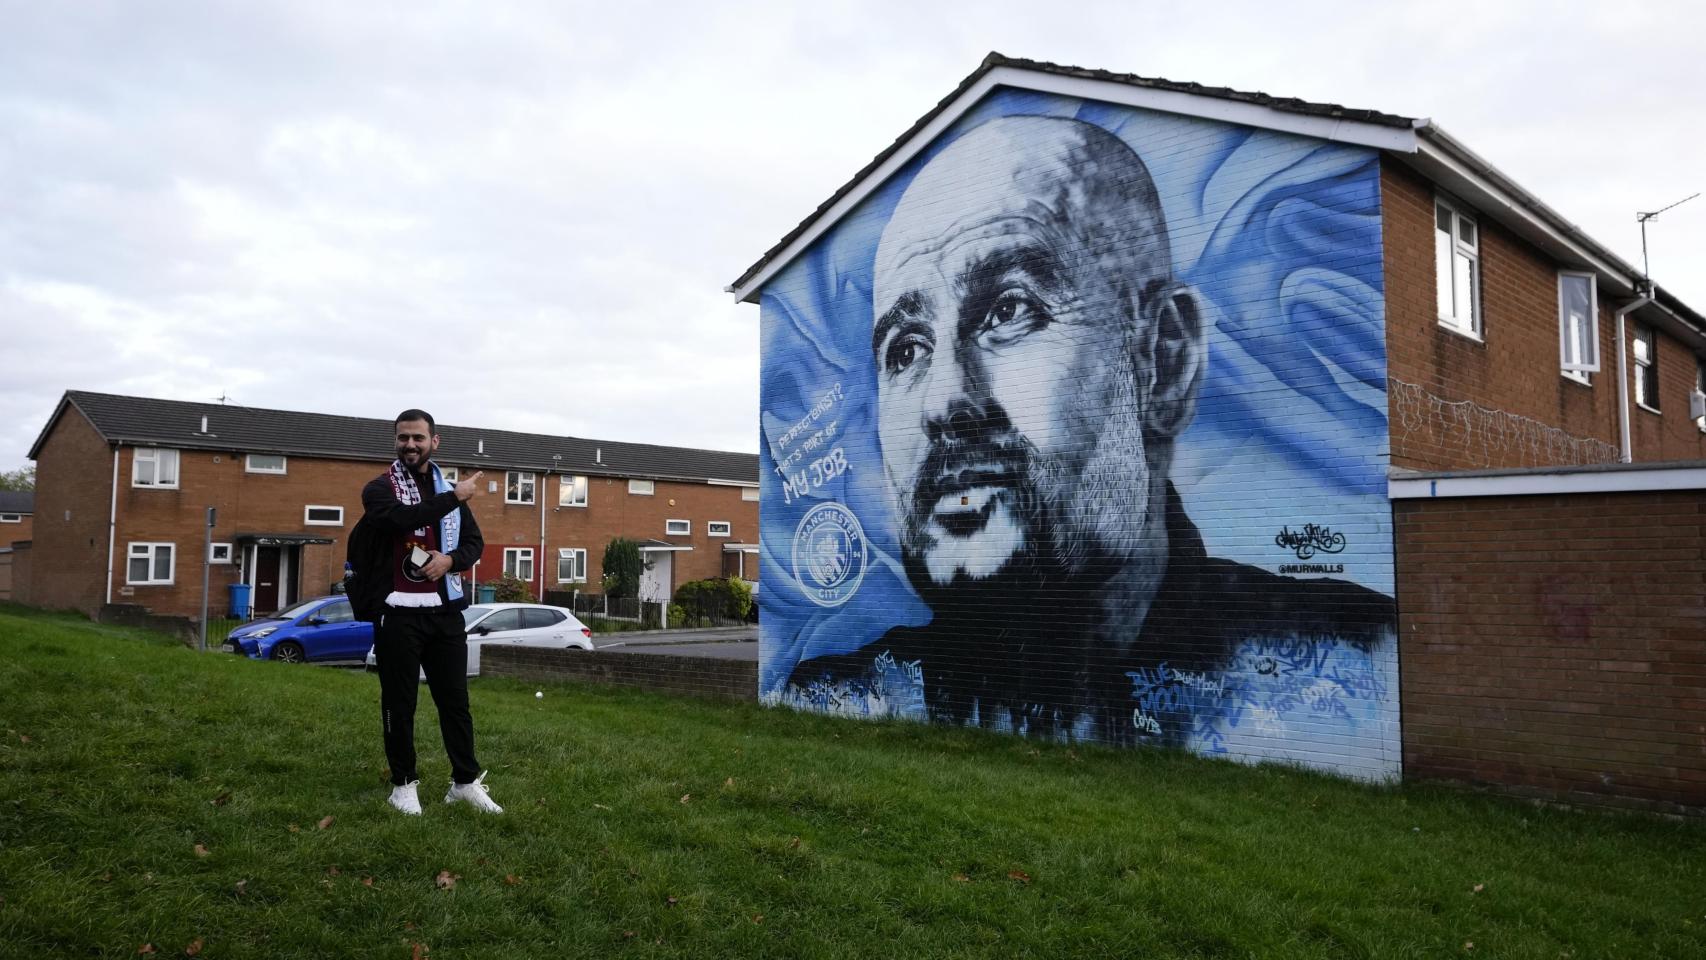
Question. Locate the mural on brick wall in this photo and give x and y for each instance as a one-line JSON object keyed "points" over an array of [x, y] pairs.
{"points": [[1077, 428]]}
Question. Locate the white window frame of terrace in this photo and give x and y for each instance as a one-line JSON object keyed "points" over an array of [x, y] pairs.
{"points": [[162, 468], [249, 465], [1457, 269], [571, 490], [308, 515], [219, 553], [642, 488], [575, 557], [1578, 324], [678, 528], [719, 528], [450, 474], [514, 559], [151, 554], [521, 486], [1700, 387], [749, 493], [1645, 352], [11, 518]]}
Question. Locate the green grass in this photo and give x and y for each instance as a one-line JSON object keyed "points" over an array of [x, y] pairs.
{"points": [[641, 826]]}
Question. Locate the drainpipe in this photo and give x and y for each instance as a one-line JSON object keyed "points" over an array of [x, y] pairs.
{"points": [[112, 525], [1643, 297], [539, 497]]}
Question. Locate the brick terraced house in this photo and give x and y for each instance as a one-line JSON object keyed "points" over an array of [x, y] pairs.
{"points": [[1109, 407], [123, 485]]}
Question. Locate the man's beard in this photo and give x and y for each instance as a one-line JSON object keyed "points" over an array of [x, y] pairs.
{"points": [[989, 519]]}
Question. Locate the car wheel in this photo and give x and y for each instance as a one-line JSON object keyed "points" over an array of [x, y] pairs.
{"points": [[289, 652]]}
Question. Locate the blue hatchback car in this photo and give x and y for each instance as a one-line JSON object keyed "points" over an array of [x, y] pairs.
{"points": [[323, 628]]}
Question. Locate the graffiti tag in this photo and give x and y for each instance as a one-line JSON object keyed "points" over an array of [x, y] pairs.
{"points": [[812, 462], [1309, 541]]}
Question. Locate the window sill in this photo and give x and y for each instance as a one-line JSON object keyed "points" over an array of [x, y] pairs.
{"points": [[519, 503], [154, 486], [1580, 379], [1459, 331], [1652, 410]]}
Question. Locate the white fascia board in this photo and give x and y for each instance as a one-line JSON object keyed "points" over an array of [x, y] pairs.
{"points": [[1536, 484], [732, 483], [1169, 101]]}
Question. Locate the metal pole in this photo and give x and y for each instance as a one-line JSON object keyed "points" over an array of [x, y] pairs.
{"points": [[206, 570]]}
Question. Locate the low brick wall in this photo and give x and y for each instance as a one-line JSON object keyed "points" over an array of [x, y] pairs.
{"points": [[659, 672], [1554, 646], [136, 615]]}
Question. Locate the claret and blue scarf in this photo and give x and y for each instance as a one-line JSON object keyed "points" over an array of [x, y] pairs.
{"points": [[410, 586]]}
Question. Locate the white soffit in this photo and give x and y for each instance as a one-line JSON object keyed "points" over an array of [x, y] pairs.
{"points": [[1535, 484], [1239, 112]]}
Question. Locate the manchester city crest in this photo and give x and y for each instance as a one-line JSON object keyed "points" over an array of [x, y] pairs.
{"points": [[829, 554]]}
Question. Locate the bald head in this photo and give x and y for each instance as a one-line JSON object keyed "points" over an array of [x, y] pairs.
{"points": [[1034, 354]]}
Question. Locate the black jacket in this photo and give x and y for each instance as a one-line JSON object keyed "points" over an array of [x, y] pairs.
{"points": [[389, 520]]}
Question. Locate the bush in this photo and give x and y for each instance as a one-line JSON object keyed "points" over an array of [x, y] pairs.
{"points": [[720, 598], [512, 590], [622, 568]]}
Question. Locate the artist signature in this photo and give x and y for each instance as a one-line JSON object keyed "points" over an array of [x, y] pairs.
{"points": [[1309, 541]]}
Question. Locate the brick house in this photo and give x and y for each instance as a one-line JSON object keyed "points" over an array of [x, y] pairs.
{"points": [[123, 485], [17, 516], [1294, 324]]}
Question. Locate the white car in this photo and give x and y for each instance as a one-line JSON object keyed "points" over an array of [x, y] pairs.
{"points": [[527, 624]]}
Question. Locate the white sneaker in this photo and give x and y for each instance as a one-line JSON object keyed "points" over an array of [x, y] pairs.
{"points": [[406, 799], [476, 795]]}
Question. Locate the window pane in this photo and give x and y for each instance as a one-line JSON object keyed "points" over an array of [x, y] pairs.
{"points": [[1442, 220], [1463, 283], [1466, 230], [138, 570], [1442, 272], [168, 464], [580, 564], [525, 568], [163, 562]]}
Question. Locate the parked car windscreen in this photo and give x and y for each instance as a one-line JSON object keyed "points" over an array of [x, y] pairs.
{"points": [[472, 614], [298, 610]]}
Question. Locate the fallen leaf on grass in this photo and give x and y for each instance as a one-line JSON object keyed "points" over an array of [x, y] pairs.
{"points": [[794, 844], [326, 821], [106, 877], [687, 798], [627, 934], [1019, 875], [1478, 888], [242, 887], [293, 828], [194, 949], [367, 881], [729, 782], [201, 850], [333, 870], [420, 952], [758, 918], [1468, 944], [221, 800], [670, 902], [446, 880], [23, 738], [145, 948], [962, 878], [511, 879]]}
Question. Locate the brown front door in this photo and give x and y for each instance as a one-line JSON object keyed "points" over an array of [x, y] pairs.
{"points": [[266, 580]]}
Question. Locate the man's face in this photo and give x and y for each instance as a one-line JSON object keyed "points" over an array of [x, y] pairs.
{"points": [[415, 443], [1008, 402]]}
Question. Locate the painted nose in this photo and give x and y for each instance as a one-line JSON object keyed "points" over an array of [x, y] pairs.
{"points": [[957, 403]]}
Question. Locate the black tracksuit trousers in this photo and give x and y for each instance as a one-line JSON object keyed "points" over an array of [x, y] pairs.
{"points": [[407, 642]]}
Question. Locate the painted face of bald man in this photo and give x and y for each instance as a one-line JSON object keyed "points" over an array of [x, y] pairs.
{"points": [[1029, 344]]}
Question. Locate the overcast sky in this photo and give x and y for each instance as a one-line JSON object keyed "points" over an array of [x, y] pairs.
{"points": [[523, 216]]}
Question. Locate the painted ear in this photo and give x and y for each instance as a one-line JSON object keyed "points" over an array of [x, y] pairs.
{"points": [[1178, 355]]}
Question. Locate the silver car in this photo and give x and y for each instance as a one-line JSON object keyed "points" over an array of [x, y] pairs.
{"points": [[525, 624]]}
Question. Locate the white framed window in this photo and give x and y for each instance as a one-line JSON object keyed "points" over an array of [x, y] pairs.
{"points": [[1457, 268], [519, 486], [719, 528], [1646, 368], [319, 515], [1578, 324], [571, 565], [678, 528], [1697, 403], [450, 474], [154, 467], [518, 562], [749, 494], [219, 553], [11, 518], [641, 488], [264, 463], [571, 491], [150, 564]]}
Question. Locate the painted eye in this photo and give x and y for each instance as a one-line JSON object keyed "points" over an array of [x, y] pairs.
{"points": [[1014, 314], [903, 352]]}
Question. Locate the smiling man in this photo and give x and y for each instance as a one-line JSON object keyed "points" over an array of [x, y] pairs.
{"points": [[1035, 359], [427, 537]]}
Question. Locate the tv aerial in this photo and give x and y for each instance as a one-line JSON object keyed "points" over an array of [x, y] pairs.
{"points": [[1642, 218]]}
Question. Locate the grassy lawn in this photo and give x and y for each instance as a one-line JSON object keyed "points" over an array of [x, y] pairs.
{"points": [[150, 795]]}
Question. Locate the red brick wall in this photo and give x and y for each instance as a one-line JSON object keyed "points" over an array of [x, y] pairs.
{"points": [[1555, 646], [24, 529], [1459, 403], [73, 500]]}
